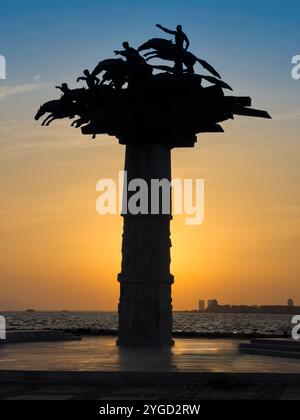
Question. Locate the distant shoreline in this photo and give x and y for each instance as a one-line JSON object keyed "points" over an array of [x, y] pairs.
{"points": [[264, 310]]}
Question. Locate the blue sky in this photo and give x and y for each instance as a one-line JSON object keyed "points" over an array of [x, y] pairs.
{"points": [[247, 40]]}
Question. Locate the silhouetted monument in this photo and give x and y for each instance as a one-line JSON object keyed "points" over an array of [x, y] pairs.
{"points": [[151, 109]]}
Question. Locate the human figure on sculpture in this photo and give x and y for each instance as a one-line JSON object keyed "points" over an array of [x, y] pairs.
{"points": [[137, 65], [64, 88], [91, 80], [182, 44], [180, 37], [131, 54]]}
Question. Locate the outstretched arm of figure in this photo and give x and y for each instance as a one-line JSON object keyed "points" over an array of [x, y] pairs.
{"points": [[168, 31], [81, 78], [121, 53]]}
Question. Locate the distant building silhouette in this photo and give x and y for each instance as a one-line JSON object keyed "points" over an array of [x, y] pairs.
{"points": [[201, 305], [213, 307], [212, 303]]}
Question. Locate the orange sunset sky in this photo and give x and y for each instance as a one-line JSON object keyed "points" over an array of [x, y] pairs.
{"points": [[57, 253]]}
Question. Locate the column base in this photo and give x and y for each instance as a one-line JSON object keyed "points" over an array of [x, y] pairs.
{"points": [[145, 314]]}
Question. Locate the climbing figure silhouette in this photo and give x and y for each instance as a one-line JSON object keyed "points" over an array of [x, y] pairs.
{"points": [[91, 80], [138, 68], [182, 44], [64, 88], [180, 37], [131, 54]]}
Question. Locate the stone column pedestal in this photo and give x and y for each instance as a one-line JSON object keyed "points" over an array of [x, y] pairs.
{"points": [[145, 309]]}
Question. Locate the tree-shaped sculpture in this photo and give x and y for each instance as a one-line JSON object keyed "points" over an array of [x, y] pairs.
{"points": [[151, 109]]}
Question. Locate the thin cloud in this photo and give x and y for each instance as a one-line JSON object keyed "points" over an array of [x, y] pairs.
{"points": [[288, 116], [28, 136], [285, 211], [6, 91]]}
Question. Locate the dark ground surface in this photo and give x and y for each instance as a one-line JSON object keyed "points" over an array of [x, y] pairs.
{"points": [[95, 369], [150, 392]]}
